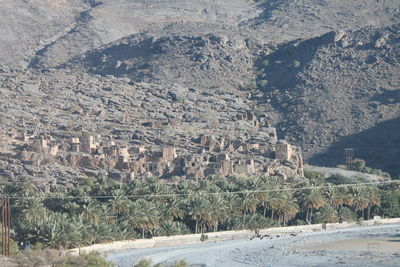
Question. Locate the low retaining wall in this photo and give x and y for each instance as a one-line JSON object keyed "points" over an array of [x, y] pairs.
{"points": [[220, 236]]}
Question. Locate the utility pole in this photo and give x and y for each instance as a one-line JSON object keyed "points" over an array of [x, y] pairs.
{"points": [[349, 153], [5, 225]]}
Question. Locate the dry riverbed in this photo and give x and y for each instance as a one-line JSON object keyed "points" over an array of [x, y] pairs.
{"points": [[359, 246]]}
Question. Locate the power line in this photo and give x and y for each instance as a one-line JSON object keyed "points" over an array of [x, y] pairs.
{"points": [[205, 193]]}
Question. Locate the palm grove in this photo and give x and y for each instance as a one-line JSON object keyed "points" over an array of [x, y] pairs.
{"points": [[102, 210]]}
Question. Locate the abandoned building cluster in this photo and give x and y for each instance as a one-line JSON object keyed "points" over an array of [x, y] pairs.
{"points": [[259, 154]]}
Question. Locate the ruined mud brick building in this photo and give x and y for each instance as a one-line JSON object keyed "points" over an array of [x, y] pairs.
{"points": [[258, 152]]}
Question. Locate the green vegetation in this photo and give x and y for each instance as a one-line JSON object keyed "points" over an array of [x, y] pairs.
{"points": [[252, 85], [359, 165], [374, 171], [148, 263], [314, 177], [92, 259], [338, 179], [265, 63], [203, 237], [263, 83], [104, 210], [14, 250], [50, 257], [144, 263]]}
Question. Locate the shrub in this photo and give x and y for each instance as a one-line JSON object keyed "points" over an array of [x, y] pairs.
{"points": [[37, 246], [339, 179], [374, 171], [51, 257], [313, 176], [203, 237], [252, 85], [252, 222], [71, 261], [148, 263], [14, 250], [265, 62], [358, 164], [180, 263], [37, 258], [326, 214], [94, 259], [263, 83], [345, 215], [390, 204], [144, 263]]}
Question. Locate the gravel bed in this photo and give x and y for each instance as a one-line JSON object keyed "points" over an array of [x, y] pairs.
{"points": [[307, 249]]}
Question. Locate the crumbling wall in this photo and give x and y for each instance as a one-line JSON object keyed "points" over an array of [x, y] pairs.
{"points": [[283, 151], [246, 154]]}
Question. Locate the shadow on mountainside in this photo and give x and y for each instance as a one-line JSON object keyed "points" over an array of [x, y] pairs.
{"points": [[387, 96], [122, 58], [279, 70], [284, 64], [378, 146]]}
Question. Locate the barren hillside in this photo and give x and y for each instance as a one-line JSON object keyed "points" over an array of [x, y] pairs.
{"points": [[339, 90], [324, 73]]}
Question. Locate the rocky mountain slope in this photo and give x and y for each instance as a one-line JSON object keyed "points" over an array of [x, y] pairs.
{"points": [[325, 73], [338, 87]]}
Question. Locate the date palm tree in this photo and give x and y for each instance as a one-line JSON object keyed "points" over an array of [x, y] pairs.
{"points": [[199, 210], [133, 187], [360, 199], [247, 204], [232, 202], [187, 187], [311, 199], [143, 215], [337, 197], [101, 186], [329, 214], [154, 190], [287, 207], [171, 228], [373, 199], [30, 207], [58, 231], [22, 185], [174, 207], [92, 210], [151, 216], [275, 200], [261, 194], [218, 209], [119, 203], [208, 186]]}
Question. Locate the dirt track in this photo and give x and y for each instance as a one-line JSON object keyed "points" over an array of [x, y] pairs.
{"points": [[361, 246]]}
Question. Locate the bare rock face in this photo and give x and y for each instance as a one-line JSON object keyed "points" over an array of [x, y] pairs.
{"points": [[380, 42], [339, 36]]}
